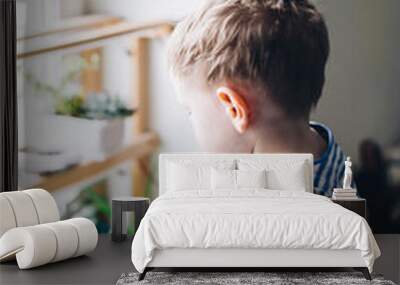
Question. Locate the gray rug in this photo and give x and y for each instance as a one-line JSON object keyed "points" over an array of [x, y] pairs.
{"points": [[231, 278]]}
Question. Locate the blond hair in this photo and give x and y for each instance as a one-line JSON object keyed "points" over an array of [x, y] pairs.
{"points": [[279, 45]]}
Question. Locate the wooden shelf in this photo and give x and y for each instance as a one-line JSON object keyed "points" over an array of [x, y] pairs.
{"points": [[84, 34], [143, 145], [53, 41]]}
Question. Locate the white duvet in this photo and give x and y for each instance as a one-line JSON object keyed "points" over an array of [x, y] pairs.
{"points": [[250, 219]]}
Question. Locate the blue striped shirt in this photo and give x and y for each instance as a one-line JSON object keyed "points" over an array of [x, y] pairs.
{"points": [[329, 168]]}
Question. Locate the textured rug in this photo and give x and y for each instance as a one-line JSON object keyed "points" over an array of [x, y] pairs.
{"points": [[233, 278]]}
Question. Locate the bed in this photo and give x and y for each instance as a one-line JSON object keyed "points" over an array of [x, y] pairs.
{"points": [[247, 211]]}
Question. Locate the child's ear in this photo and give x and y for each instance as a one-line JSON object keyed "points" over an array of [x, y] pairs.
{"points": [[235, 107]]}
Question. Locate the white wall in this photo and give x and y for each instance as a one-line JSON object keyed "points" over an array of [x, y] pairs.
{"points": [[72, 8], [167, 117], [39, 16], [362, 95], [142, 10], [361, 98]]}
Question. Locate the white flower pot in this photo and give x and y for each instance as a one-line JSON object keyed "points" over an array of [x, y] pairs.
{"points": [[92, 140]]}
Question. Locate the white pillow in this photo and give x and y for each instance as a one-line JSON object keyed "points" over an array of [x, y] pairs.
{"points": [[193, 174], [223, 179], [182, 177], [251, 178], [292, 179], [237, 179], [289, 175]]}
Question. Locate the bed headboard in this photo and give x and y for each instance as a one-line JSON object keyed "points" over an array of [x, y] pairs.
{"points": [[292, 157]]}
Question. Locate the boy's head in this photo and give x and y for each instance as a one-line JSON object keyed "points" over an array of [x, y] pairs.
{"points": [[240, 65]]}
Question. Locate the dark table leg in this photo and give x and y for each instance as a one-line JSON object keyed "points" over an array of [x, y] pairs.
{"points": [[117, 221]]}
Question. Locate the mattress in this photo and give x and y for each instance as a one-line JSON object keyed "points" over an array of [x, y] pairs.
{"points": [[250, 219]]}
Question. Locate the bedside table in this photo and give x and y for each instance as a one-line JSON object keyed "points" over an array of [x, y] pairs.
{"points": [[138, 205], [357, 205]]}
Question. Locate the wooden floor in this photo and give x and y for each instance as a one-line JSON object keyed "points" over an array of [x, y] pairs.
{"points": [[103, 266]]}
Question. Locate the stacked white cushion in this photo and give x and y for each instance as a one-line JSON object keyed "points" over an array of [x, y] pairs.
{"points": [[30, 230], [67, 240], [45, 206], [27, 208], [7, 219], [87, 235], [41, 244], [32, 246], [23, 208]]}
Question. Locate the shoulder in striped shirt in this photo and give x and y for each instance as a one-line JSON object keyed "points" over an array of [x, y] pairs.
{"points": [[329, 168]]}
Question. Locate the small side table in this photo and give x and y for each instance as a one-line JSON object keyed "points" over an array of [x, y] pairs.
{"points": [[138, 205], [357, 205]]}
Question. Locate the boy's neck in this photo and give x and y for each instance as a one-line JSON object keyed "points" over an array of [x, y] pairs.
{"points": [[286, 136]]}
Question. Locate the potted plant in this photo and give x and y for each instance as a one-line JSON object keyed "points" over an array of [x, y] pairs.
{"points": [[91, 126]]}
